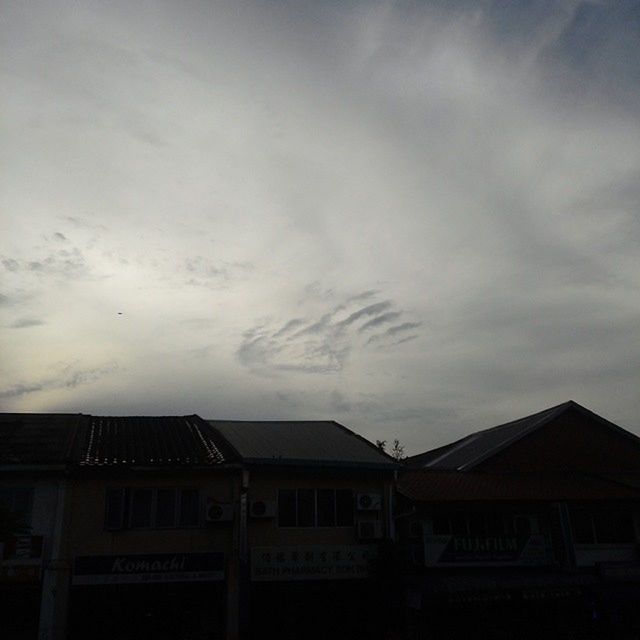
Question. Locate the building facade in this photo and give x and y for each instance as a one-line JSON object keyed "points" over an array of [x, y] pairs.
{"points": [[533, 525], [177, 527]]}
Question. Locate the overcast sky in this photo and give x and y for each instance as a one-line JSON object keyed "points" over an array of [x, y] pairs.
{"points": [[416, 218]]}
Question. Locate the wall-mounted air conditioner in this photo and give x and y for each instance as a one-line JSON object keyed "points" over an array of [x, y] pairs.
{"points": [[217, 511], [262, 509], [369, 530], [369, 502]]}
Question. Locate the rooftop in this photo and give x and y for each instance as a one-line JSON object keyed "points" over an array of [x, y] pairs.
{"points": [[309, 443], [151, 441], [466, 453], [37, 438]]}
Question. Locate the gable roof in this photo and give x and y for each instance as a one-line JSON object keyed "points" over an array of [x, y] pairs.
{"points": [[37, 438], [470, 451], [151, 441], [309, 443]]}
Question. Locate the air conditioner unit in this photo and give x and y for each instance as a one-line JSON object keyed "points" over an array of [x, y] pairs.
{"points": [[262, 509], [218, 511], [369, 502], [369, 530]]}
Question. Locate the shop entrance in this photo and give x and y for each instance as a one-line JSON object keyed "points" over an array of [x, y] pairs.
{"points": [[148, 612]]}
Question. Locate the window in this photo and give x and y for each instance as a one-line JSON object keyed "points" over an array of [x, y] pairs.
{"points": [[141, 508], [582, 527], [604, 527], [147, 508], [344, 507], [306, 508], [166, 508], [315, 508], [189, 508], [326, 508], [115, 509], [287, 512], [18, 501]]}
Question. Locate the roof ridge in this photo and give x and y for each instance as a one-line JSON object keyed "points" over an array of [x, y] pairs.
{"points": [[539, 418], [550, 414]]}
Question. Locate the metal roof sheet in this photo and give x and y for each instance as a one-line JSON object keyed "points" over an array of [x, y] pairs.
{"points": [[301, 442], [151, 441], [473, 449]]}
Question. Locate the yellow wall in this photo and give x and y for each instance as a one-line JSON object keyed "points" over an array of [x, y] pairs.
{"points": [[87, 536], [87, 509], [264, 484]]}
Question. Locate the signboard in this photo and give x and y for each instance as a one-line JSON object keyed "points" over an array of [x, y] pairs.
{"points": [[485, 550], [21, 559], [149, 568], [23, 548], [327, 562]]}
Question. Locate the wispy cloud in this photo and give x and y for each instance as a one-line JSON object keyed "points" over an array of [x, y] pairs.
{"points": [[379, 320], [316, 346], [24, 323], [472, 166], [67, 376], [65, 263]]}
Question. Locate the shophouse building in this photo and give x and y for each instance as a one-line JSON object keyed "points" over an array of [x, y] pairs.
{"points": [[177, 527], [529, 528], [35, 452], [319, 503]]}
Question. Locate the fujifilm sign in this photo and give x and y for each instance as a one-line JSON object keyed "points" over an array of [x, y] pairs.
{"points": [[151, 568]]}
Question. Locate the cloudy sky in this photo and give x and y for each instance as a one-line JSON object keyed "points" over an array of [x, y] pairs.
{"points": [[417, 218]]}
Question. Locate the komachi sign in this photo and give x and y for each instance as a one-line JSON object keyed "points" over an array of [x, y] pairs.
{"points": [[149, 568]]}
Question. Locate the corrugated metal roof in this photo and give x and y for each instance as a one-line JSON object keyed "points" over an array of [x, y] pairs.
{"points": [[427, 485], [151, 441], [306, 442], [469, 451], [36, 438]]}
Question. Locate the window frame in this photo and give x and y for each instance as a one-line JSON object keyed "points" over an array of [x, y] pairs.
{"points": [[315, 524], [128, 496], [594, 517]]}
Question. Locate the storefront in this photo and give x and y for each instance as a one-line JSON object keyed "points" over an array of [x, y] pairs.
{"points": [[321, 591], [21, 585], [159, 596]]}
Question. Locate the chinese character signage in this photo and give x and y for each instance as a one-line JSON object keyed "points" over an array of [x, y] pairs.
{"points": [[486, 550], [331, 562], [151, 568]]}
